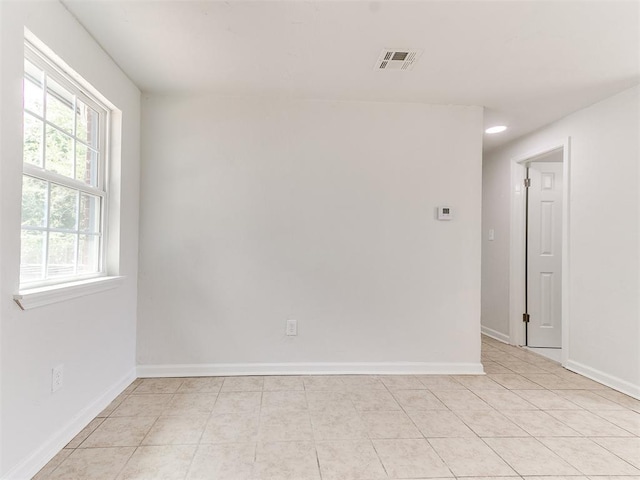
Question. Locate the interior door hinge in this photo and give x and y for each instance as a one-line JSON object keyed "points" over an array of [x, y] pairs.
{"points": [[527, 182], [525, 317]]}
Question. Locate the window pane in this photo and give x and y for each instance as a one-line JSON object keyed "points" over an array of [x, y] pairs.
{"points": [[62, 254], [32, 255], [59, 152], [62, 213], [34, 202], [87, 124], [86, 164], [63, 132], [88, 254], [32, 97], [89, 213], [32, 149], [59, 106], [33, 84]]}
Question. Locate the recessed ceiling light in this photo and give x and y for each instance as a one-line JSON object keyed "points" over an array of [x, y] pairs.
{"points": [[496, 129]]}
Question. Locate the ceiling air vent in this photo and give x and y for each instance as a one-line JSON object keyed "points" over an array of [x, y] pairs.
{"points": [[397, 59]]}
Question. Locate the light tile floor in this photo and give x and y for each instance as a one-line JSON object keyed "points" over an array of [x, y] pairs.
{"points": [[552, 353], [528, 417]]}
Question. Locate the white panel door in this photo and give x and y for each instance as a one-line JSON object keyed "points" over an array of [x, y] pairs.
{"points": [[544, 255]]}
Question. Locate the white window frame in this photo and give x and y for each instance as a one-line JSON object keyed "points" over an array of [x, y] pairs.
{"points": [[44, 291]]}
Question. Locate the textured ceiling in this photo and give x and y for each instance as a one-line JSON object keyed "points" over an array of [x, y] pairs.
{"points": [[527, 62]]}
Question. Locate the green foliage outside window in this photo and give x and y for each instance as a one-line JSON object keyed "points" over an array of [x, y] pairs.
{"points": [[61, 223]]}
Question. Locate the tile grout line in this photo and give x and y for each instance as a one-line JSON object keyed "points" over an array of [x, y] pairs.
{"points": [[347, 390]]}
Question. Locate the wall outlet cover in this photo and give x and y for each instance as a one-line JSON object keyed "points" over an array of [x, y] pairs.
{"points": [[292, 328]]}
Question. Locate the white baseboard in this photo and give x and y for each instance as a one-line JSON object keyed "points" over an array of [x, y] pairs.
{"points": [[496, 335], [616, 383], [41, 456], [389, 368]]}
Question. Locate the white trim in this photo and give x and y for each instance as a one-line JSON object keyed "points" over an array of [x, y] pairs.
{"points": [[516, 248], [28, 467], [41, 296], [65, 77], [53, 177], [616, 383], [516, 259], [496, 335], [566, 238], [368, 368], [59, 64]]}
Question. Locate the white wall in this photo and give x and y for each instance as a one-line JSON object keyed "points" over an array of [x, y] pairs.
{"points": [[256, 211], [94, 336], [495, 254], [604, 237]]}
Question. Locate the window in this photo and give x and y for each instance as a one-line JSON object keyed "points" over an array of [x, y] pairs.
{"points": [[64, 187]]}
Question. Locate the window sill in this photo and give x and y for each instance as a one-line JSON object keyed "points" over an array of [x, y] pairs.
{"points": [[39, 297]]}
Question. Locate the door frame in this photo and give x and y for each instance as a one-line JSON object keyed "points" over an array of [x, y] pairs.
{"points": [[517, 242]]}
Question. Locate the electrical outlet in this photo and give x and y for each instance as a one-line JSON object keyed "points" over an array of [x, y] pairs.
{"points": [[292, 328], [57, 375]]}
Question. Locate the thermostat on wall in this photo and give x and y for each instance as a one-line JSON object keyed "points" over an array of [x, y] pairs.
{"points": [[445, 213]]}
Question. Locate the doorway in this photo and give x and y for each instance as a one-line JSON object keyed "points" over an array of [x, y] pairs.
{"points": [[539, 251], [543, 252]]}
